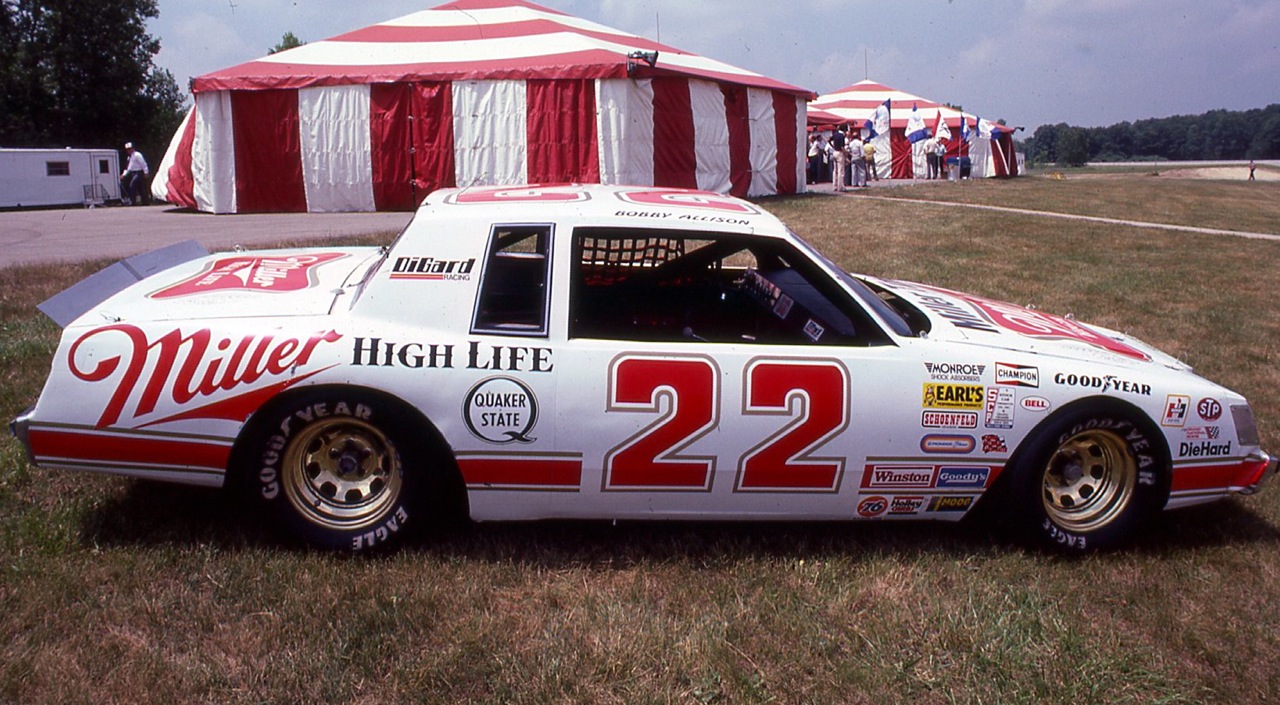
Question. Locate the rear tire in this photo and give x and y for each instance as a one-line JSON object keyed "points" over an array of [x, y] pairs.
{"points": [[1088, 479], [341, 469]]}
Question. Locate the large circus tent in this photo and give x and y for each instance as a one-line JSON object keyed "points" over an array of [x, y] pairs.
{"points": [[477, 92], [873, 106]]}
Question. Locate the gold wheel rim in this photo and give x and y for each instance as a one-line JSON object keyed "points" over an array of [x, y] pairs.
{"points": [[342, 474], [1089, 480]]}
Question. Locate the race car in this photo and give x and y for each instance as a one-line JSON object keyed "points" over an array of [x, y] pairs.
{"points": [[613, 352]]}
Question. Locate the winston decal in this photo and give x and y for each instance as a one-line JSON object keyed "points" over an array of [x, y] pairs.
{"points": [[270, 274]]}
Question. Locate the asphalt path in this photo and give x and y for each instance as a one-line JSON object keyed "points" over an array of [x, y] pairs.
{"points": [[79, 234]]}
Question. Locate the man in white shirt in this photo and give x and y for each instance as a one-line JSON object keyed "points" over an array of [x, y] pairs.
{"points": [[134, 176]]}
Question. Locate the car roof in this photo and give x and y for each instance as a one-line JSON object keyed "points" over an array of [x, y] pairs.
{"points": [[601, 204]]}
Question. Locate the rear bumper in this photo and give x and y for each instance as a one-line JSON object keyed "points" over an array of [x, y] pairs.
{"points": [[19, 427]]}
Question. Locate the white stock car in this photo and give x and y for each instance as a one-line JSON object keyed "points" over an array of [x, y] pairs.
{"points": [[622, 352]]}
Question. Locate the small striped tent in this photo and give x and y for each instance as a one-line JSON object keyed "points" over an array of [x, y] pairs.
{"points": [[894, 152], [477, 92]]}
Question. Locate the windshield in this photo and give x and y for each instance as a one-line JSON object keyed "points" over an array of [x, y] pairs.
{"points": [[891, 317]]}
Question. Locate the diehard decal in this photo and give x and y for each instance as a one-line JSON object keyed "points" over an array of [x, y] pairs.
{"points": [[246, 273], [501, 410]]}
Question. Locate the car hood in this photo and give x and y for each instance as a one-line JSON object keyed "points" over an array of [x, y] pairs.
{"points": [[964, 318], [296, 282]]}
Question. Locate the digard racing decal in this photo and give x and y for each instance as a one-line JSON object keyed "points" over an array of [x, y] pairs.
{"points": [[246, 273]]}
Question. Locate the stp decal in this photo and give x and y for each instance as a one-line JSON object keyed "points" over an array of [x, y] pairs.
{"points": [[245, 273]]}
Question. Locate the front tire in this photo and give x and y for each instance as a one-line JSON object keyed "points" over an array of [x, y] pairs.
{"points": [[341, 469], [1090, 478]]}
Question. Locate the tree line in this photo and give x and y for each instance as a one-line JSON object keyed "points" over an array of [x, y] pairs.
{"points": [[1217, 134], [80, 73]]}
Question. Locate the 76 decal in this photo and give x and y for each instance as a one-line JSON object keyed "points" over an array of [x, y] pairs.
{"points": [[810, 397]]}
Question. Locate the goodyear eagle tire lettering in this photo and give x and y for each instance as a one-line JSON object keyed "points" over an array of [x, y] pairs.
{"points": [[1089, 478], [339, 469]]}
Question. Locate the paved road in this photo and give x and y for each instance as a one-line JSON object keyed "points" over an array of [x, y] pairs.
{"points": [[77, 234]]}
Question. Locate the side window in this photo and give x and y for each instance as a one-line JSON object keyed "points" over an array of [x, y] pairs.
{"points": [[515, 283], [685, 286], [57, 168]]}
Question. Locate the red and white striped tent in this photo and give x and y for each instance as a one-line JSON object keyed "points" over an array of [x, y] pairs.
{"points": [[894, 153], [477, 92]]}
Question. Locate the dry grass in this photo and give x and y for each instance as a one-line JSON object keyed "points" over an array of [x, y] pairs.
{"points": [[116, 591]]}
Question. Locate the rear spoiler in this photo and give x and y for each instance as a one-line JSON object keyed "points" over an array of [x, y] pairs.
{"points": [[76, 300]]}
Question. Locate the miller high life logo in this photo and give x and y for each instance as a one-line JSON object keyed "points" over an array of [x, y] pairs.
{"points": [[269, 274], [183, 369]]}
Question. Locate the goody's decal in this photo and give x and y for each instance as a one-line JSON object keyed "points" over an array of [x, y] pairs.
{"points": [[247, 273], [501, 410], [963, 477]]}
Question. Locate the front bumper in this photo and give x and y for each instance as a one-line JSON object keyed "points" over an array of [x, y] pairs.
{"points": [[1266, 468]]}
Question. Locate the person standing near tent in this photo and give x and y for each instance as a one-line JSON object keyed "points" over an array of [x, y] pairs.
{"points": [[940, 149], [134, 175], [815, 158], [1251, 170], [857, 162], [835, 147], [931, 156], [869, 154]]}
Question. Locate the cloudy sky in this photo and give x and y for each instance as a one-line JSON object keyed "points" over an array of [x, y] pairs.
{"points": [[1030, 62]]}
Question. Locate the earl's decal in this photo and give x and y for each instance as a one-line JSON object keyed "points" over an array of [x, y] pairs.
{"points": [[953, 396]]}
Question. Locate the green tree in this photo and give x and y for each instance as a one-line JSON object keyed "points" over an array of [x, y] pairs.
{"points": [[288, 41], [1073, 146], [80, 73]]}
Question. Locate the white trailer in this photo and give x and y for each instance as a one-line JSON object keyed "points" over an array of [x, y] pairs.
{"points": [[57, 177]]}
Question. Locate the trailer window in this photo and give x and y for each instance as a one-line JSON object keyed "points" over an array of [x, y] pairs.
{"points": [[104, 167], [57, 168]]}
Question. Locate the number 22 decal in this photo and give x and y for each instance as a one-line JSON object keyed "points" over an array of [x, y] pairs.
{"points": [[685, 391]]}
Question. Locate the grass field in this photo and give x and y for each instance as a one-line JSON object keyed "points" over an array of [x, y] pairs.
{"points": [[117, 591]]}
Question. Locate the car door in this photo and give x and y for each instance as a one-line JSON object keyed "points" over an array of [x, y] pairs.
{"points": [[716, 375]]}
